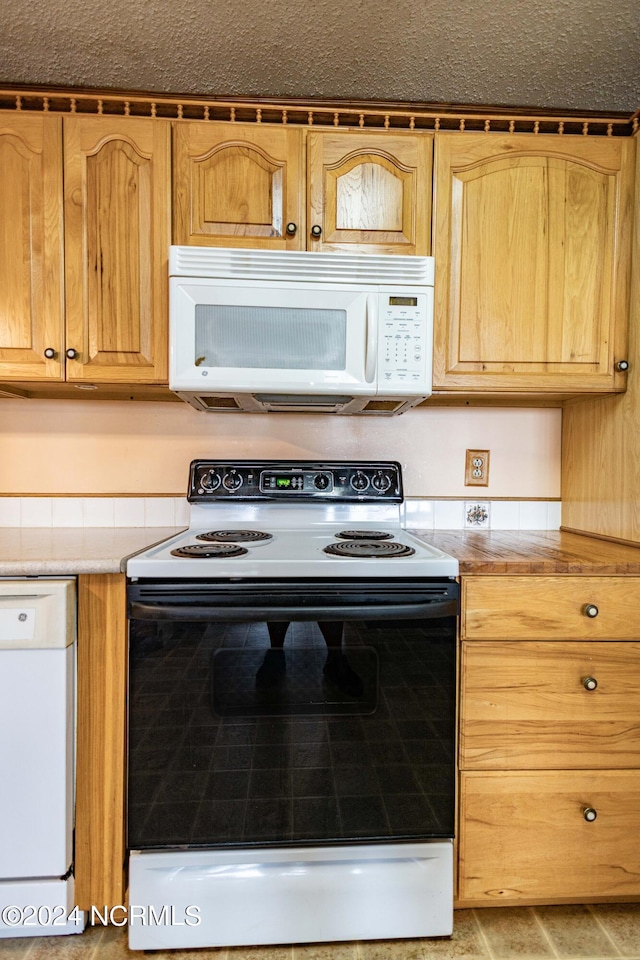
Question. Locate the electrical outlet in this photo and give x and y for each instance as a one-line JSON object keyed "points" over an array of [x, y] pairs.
{"points": [[476, 473]]}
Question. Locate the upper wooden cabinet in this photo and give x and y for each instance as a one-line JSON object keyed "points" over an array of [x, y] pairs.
{"points": [[369, 192], [117, 235], [237, 186], [31, 281], [532, 248], [245, 186]]}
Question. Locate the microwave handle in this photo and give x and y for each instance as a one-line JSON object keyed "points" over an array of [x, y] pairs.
{"points": [[372, 338]]}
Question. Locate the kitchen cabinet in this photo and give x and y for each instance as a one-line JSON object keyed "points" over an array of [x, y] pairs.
{"points": [[31, 247], [246, 185], [83, 291], [532, 239], [549, 739], [117, 235]]}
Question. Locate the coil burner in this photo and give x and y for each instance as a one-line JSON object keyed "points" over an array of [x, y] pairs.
{"points": [[234, 536], [369, 548], [209, 551], [364, 535]]}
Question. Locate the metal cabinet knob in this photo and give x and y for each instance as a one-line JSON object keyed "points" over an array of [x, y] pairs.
{"points": [[316, 230], [590, 683], [50, 353], [589, 814], [590, 610], [71, 354], [622, 365], [292, 229]]}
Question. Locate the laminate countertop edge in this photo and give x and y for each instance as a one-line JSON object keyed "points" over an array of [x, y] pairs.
{"points": [[70, 551]]}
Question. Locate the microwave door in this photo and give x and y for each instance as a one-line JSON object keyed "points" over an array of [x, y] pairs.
{"points": [[285, 338]]}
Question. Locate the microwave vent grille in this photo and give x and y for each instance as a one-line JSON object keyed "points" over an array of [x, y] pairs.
{"points": [[292, 266]]}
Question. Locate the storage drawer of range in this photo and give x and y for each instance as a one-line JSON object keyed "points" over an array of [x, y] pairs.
{"points": [[539, 608], [536, 705], [541, 836]]}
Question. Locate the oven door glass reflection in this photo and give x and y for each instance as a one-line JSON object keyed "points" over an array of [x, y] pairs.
{"points": [[290, 733]]}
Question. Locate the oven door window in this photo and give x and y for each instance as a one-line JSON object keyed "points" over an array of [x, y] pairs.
{"points": [[275, 733]]}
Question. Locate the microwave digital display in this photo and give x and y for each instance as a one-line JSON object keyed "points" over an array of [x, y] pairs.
{"points": [[403, 301]]}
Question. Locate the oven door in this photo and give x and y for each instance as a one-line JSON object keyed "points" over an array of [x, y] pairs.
{"points": [[267, 713]]}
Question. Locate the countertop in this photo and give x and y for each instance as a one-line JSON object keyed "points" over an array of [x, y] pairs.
{"points": [[59, 551], [542, 552]]}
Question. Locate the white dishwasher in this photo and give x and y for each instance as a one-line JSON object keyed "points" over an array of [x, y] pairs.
{"points": [[37, 756]]}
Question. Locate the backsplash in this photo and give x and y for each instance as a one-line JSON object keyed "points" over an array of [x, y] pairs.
{"points": [[419, 513]]}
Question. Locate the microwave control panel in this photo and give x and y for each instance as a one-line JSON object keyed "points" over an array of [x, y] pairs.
{"points": [[404, 346]]}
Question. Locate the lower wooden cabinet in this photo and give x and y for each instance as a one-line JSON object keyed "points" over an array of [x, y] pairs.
{"points": [[528, 836], [549, 740]]}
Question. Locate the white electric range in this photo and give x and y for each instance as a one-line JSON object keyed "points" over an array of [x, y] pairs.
{"points": [[292, 688]]}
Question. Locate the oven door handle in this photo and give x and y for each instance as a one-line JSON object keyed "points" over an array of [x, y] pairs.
{"points": [[401, 611]]}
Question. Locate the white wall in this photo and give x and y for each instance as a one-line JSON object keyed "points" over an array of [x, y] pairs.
{"points": [[90, 447]]}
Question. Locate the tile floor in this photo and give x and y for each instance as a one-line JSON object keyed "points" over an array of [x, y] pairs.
{"points": [[595, 932]]}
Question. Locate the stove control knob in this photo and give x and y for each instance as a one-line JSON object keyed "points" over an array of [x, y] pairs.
{"points": [[232, 480], [321, 481], [210, 481], [359, 481], [381, 481]]}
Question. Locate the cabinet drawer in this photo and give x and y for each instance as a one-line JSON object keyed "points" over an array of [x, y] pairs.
{"points": [[525, 837], [539, 608], [532, 705]]}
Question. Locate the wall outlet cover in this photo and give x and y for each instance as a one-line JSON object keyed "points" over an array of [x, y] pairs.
{"points": [[477, 515]]}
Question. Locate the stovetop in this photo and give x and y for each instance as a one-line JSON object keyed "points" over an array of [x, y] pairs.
{"points": [[292, 520]]}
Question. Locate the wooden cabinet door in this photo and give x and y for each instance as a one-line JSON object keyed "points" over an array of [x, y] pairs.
{"points": [[369, 192], [117, 235], [524, 836], [238, 185], [31, 278], [550, 706], [532, 251]]}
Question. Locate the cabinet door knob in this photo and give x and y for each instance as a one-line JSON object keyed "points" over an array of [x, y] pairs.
{"points": [[590, 610], [292, 229], [589, 814], [622, 365], [316, 230], [590, 683], [71, 354], [50, 353]]}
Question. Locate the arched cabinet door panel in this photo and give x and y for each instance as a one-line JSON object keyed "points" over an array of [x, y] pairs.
{"points": [[238, 185], [532, 250], [31, 224], [369, 192], [117, 236]]}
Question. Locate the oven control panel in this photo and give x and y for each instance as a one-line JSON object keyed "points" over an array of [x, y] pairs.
{"points": [[362, 481]]}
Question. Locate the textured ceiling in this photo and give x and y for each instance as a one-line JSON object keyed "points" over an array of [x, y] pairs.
{"points": [[568, 54]]}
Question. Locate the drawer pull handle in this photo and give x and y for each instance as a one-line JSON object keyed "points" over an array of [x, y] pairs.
{"points": [[292, 229], [591, 610], [590, 814], [590, 683]]}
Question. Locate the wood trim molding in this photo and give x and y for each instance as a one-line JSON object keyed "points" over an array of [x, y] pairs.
{"points": [[378, 115], [100, 764]]}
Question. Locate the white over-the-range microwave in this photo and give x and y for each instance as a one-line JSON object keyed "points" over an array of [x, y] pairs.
{"points": [[260, 331]]}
